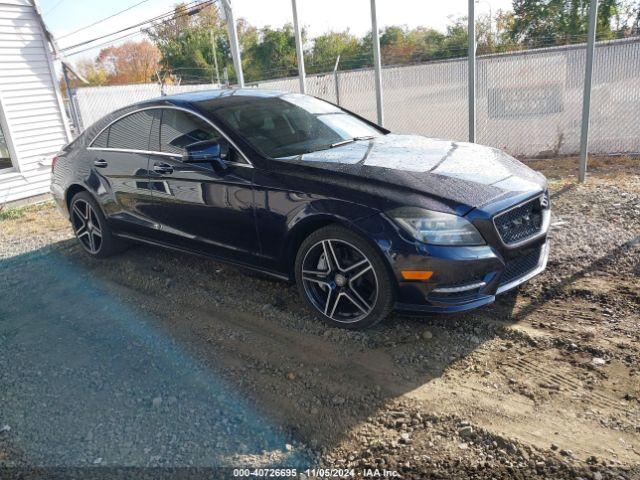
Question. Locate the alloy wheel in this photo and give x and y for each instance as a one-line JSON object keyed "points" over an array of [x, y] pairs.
{"points": [[339, 280], [86, 226]]}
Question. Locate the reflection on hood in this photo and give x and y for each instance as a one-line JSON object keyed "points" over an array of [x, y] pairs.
{"points": [[460, 172]]}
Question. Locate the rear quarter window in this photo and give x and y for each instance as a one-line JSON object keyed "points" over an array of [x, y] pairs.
{"points": [[136, 131], [131, 132], [101, 140]]}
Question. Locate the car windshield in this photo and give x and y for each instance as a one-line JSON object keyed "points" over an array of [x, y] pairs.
{"points": [[292, 124]]}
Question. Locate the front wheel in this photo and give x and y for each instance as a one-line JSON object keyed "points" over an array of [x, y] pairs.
{"points": [[344, 278]]}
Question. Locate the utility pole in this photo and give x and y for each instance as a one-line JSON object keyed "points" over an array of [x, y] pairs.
{"points": [[586, 97], [233, 41], [299, 50], [471, 33], [377, 61]]}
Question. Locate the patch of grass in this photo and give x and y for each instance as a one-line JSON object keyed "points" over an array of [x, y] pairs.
{"points": [[11, 213]]}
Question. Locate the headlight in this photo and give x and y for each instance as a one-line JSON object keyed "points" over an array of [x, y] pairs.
{"points": [[436, 228]]}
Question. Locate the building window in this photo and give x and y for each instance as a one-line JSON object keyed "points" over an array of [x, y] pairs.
{"points": [[5, 158]]}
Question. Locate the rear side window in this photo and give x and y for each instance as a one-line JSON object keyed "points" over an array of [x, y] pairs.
{"points": [[154, 138], [180, 129], [128, 133], [101, 140]]}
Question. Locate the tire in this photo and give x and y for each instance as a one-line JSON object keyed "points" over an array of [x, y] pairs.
{"points": [[354, 289], [91, 228]]}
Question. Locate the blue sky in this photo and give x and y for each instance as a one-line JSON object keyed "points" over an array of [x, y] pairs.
{"points": [[318, 16]]}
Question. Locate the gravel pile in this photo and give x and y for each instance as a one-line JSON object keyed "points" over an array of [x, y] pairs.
{"points": [[597, 222]]}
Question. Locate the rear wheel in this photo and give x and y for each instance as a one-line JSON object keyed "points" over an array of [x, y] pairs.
{"points": [[344, 279], [90, 227]]}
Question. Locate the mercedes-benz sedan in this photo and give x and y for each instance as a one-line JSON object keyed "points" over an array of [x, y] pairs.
{"points": [[363, 220]]}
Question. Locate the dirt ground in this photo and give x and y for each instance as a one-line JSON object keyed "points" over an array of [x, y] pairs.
{"points": [[133, 350]]}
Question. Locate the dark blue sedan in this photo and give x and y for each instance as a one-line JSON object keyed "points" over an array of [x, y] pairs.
{"points": [[363, 220]]}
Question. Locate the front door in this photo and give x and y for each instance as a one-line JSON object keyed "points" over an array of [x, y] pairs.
{"points": [[202, 206]]}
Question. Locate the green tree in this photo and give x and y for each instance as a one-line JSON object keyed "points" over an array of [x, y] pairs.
{"points": [[271, 55], [186, 44], [328, 46], [428, 41], [456, 41], [552, 22]]}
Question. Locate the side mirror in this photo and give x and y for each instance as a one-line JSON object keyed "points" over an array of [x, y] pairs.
{"points": [[208, 151]]}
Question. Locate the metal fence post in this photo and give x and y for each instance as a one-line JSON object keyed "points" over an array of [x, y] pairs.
{"points": [[586, 97], [233, 41], [299, 51], [335, 80], [215, 56], [471, 32], [377, 62]]}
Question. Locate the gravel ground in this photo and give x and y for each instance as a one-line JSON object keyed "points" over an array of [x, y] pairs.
{"points": [[158, 359]]}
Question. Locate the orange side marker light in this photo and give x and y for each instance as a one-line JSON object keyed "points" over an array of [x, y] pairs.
{"points": [[416, 274]]}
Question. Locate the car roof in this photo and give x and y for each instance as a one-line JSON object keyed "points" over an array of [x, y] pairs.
{"points": [[211, 96], [189, 100]]}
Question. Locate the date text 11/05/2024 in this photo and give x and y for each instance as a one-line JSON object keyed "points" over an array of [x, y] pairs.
{"points": [[315, 473]]}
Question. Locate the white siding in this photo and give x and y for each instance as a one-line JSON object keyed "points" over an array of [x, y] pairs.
{"points": [[30, 104]]}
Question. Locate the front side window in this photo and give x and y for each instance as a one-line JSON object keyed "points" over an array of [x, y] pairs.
{"points": [[5, 158], [292, 124], [180, 130]]}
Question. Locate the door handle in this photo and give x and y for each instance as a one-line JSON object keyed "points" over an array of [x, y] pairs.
{"points": [[162, 168], [100, 163]]}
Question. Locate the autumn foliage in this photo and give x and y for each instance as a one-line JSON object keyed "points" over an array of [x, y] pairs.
{"points": [[128, 63]]}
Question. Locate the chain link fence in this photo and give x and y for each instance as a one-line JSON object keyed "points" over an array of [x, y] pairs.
{"points": [[528, 103], [93, 103]]}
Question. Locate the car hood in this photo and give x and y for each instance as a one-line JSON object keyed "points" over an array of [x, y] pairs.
{"points": [[460, 175]]}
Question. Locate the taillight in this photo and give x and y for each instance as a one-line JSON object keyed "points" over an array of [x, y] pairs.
{"points": [[53, 163]]}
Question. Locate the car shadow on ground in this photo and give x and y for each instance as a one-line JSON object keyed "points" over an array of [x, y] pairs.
{"points": [[557, 287], [153, 358]]}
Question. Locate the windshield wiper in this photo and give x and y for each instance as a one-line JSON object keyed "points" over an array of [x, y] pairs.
{"points": [[350, 140], [319, 148]]}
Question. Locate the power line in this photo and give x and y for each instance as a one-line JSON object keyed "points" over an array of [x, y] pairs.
{"points": [[150, 20], [102, 20], [54, 7], [133, 34], [192, 5], [138, 32]]}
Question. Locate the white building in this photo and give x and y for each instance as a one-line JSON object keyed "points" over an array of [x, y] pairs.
{"points": [[33, 125]]}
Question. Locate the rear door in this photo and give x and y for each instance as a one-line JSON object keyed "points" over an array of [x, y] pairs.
{"points": [[120, 158], [199, 206]]}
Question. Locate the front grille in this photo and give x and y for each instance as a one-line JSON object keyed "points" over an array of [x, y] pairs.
{"points": [[521, 222], [520, 266]]}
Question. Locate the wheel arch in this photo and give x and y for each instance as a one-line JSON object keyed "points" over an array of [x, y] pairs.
{"points": [[306, 226], [300, 231], [76, 188], [72, 191]]}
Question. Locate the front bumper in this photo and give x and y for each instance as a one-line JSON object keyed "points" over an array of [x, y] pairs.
{"points": [[464, 277], [469, 292]]}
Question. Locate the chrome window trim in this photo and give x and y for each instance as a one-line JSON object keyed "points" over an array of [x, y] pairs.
{"points": [[544, 228], [128, 150], [248, 163]]}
